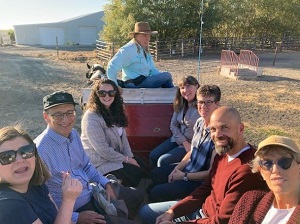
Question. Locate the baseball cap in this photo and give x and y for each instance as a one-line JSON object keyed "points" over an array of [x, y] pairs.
{"points": [[58, 98], [278, 140]]}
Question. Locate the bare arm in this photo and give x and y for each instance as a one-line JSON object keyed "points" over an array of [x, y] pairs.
{"points": [[184, 160], [187, 146]]}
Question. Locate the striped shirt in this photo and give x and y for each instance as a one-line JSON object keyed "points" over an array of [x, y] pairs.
{"points": [[67, 154]]}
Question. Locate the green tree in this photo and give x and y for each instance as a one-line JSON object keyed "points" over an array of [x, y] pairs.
{"points": [[172, 18], [177, 19], [11, 34], [118, 22]]}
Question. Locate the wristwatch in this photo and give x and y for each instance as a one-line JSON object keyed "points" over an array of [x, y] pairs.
{"points": [[185, 178]]}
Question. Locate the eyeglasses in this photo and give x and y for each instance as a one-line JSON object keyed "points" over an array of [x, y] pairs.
{"points": [[283, 163], [102, 93], [60, 116], [26, 152], [207, 103]]}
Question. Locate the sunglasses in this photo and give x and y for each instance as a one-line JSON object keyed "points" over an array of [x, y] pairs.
{"points": [[283, 163], [9, 156], [102, 93]]}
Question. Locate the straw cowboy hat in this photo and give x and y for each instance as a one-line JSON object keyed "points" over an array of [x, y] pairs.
{"points": [[142, 27]]}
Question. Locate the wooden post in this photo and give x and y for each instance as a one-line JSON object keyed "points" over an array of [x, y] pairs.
{"points": [[194, 46], [113, 50], [156, 50], [182, 50], [275, 55], [57, 47]]}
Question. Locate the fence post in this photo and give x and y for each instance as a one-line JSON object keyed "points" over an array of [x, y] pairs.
{"points": [[194, 45], [113, 50], [56, 39], [182, 50], [156, 50]]}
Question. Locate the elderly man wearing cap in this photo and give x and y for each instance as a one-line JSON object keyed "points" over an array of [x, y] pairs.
{"points": [[61, 149], [278, 161], [136, 63]]}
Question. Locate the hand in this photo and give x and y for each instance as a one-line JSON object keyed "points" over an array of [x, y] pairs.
{"points": [[109, 191], [165, 217], [71, 188], [133, 162], [178, 175], [170, 177], [92, 217]]}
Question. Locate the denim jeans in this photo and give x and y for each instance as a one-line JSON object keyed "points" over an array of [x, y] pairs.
{"points": [[163, 80], [166, 153], [149, 213]]}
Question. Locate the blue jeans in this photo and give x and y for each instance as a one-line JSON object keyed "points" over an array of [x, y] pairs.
{"points": [[149, 213], [166, 153], [163, 80], [163, 191]]}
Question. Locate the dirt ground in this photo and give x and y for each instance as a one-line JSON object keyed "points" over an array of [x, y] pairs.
{"points": [[268, 105]]}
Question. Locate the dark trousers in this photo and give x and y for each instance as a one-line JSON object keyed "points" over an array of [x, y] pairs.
{"points": [[133, 198], [110, 219], [129, 174]]}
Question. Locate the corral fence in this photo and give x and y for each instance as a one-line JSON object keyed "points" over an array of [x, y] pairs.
{"points": [[190, 47]]}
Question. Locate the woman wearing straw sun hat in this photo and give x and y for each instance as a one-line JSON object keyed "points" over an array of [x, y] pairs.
{"points": [[136, 62], [278, 161]]}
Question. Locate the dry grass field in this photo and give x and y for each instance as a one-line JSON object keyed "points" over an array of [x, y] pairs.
{"points": [[268, 105]]}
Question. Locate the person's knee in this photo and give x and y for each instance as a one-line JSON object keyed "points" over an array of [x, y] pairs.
{"points": [[164, 160], [146, 215], [167, 75], [157, 193]]}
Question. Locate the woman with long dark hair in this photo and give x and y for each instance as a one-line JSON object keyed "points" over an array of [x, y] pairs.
{"points": [[103, 134]]}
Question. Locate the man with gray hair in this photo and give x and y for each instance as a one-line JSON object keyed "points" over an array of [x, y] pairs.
{"points": [[60, 147]]}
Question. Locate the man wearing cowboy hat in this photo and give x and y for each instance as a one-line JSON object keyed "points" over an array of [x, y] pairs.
{"points": [[136, 63]]}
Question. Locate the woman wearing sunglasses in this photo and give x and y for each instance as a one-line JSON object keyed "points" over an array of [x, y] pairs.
{"points": [[24, 197], [278, 161], [103, 134]]}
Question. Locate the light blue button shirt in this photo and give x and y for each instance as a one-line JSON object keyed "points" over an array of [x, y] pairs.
{"points": [[67, 154], [133, 61]]}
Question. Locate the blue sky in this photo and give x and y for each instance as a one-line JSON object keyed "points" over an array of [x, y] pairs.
{"points": [[16, 12]]}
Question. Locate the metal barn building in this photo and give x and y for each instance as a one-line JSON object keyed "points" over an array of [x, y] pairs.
{"points": [[82, 30]]}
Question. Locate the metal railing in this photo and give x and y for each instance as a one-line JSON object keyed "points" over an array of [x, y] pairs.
{"points": [[247, 59], [230, 60]]}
